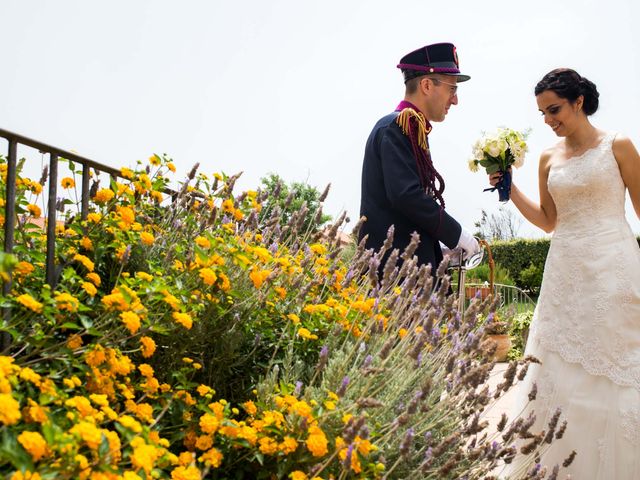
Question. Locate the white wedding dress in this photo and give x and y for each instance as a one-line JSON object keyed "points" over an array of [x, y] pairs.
{"points": [[586, 327]]}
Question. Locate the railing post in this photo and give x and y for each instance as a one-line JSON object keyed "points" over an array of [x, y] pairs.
{"points": [[9, 227], [84, 198], [10, 205], [51, 221]]}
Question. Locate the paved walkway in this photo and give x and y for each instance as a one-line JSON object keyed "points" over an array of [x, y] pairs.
{"points": [[506, 403]]}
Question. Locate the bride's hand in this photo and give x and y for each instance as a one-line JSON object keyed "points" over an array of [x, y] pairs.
{"points": [[494, 178]]}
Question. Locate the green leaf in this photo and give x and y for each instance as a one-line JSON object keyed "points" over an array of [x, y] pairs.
{"points": [[103, 449], [71, 326], [493, 169], [86, 322], [11, 450], [94, 331]]}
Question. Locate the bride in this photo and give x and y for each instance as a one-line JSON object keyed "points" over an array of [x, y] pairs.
{"points": [[586, 328]]}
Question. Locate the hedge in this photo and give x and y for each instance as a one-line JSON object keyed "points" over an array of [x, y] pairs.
{"points": [[524, 259]]}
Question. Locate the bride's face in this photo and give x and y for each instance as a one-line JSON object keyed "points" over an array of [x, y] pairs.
{"points": [[559, 113]]}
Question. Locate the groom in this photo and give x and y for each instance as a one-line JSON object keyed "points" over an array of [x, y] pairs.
{"points": [[400, 184]]}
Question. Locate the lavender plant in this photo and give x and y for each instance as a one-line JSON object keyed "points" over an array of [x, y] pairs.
{"points": [[189, 338]]}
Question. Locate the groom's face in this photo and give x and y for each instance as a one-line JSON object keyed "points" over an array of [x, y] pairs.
{"points": [[442, 94]]}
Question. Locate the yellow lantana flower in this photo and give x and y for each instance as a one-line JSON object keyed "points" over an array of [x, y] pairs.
{"points": [[89, 288], [104, 195], [148, 346], [68, 182], [34, 210], [203, 242], [131, 320], [88, 264], [317, 441], [34, 443], [259, 276], [183, 319], [186, 473], [9, 409], [66, 301], [147, 238], [23, 268], [28, 301], [209, 423], [208, 276], [74, 342], [212, 458], [306, 334]]}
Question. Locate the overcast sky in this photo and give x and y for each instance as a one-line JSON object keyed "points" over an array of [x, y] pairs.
{"points": [[294, 87]]}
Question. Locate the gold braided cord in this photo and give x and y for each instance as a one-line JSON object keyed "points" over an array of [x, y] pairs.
{"points": [[404, 121]]}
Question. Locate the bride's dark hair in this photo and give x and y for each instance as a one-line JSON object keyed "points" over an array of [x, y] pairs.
{"points": [[567, 83]]}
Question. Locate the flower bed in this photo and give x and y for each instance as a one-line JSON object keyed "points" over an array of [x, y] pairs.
{"points": [[198, 338]]}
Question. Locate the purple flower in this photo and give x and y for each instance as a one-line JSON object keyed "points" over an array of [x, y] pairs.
{"points": [[406, 442], [347, 459], [343, 387], [367, 361]]}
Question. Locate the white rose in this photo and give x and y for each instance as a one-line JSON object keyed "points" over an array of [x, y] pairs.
{"points": [[503, 145], [473, 165], [493, 148]]}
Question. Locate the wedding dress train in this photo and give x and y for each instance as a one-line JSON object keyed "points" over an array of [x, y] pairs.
{"points": [[586, 327]]}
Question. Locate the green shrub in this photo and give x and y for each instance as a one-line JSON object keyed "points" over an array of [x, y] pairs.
{"points": [[167, 310], [519, 332], [531, 279], [518, 255], [481, 274]]}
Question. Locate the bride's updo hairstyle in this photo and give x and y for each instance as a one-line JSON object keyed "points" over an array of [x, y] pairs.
{"points": [[567, 83]]}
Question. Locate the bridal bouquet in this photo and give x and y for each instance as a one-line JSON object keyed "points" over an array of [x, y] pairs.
{"points": [[496, 152]]}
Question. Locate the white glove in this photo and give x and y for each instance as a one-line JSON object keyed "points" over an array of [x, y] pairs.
{"points": [[468, 243], [454, 255]]}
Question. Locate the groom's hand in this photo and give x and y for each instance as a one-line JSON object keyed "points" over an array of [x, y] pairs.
{"points": [[468, 244]]}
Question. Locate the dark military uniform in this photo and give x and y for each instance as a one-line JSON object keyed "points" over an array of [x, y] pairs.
{"points": [[393, 195]]}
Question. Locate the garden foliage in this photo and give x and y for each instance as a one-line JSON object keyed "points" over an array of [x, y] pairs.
{"points": [[523, 259], [190, 336]]}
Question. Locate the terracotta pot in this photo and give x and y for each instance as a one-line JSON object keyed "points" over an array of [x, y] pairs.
{"points": [[503, 342], [470, 292]]}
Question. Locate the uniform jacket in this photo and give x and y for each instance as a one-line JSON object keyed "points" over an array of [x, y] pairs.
{"points": [[392, 195]]}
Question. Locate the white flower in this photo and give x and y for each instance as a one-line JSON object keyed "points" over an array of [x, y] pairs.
{"points": [[519, 161], [502, 148], [494, 148]]}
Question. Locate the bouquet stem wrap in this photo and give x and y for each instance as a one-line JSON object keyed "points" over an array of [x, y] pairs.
{"points": [[503, 187]]}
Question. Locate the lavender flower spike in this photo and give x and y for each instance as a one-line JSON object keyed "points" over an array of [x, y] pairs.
{"points": [[343, 387]]}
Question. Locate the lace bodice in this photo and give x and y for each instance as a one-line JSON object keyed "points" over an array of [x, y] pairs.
{"points": [[589, 305], [588, 192]]}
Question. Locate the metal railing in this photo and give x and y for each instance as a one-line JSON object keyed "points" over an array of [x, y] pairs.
{"points": [[55, 156], [510, 296]]}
